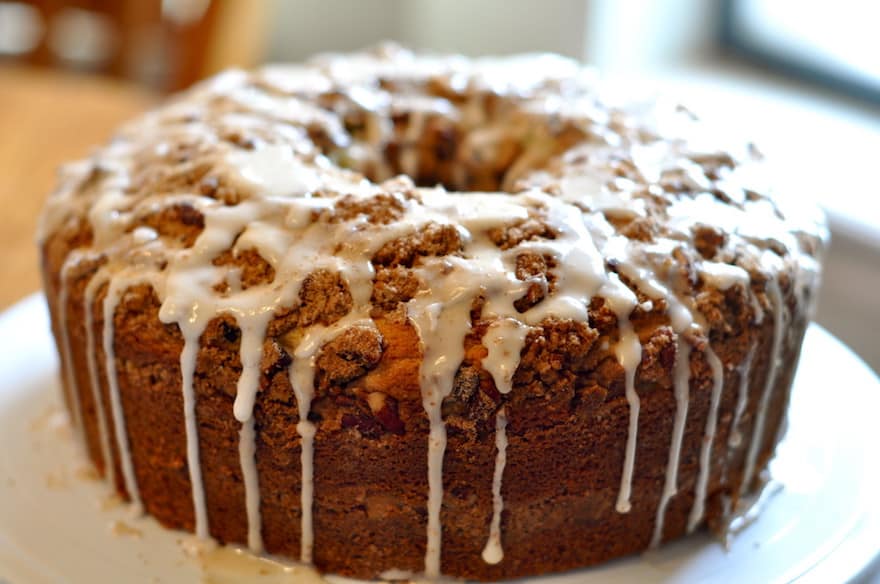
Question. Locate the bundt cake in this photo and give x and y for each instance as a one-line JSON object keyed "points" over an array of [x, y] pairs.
{"points": [[392, 314]]}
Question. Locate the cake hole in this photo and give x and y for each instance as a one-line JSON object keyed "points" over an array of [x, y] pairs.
{"points": [[435, 144]]}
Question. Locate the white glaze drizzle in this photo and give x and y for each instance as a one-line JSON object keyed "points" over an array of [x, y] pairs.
{"points": [[188, 357], [98, 280], [629, 353], [698, 508], [742, 398], [724, 276], [493, 553], [629, 348], [503, 340], [182, 304], [775, 296], [251, 351], [119, 283], [681, 381], [247, 453], [140, 236], [683, 315], [681, 319], [302, 380], [307, 431], [442, 328]]}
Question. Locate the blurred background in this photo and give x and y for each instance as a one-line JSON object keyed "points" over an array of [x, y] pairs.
{"points": [[802, 77]]}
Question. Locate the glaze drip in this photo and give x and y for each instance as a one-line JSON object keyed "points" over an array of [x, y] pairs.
{"points": [[742, 400], [302, 374], [681, 376], [193, 454], [629, 353], [698, 508], [92, 287], [493, 553], [118, 284]]}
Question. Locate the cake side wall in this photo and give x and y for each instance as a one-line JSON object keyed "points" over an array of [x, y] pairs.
{"points": [[560, 485]]}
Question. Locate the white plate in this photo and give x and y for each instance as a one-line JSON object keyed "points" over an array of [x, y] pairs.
{"points": [[823, 526]]}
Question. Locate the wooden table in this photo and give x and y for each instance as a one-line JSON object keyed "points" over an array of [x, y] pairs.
{"points": [[46, 118]]}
